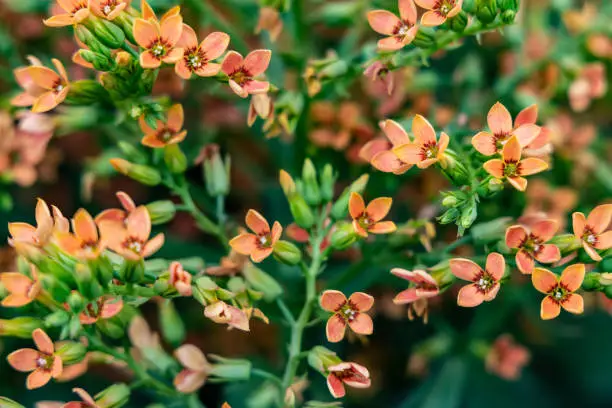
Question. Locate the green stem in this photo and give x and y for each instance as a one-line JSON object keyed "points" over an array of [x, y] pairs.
{"points": [[285, 311], [266, 375], [462, 241], [130, 51]]}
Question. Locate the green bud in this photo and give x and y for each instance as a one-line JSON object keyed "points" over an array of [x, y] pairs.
{"points": [[328, 179], [319, 358], [57, 318], [76, 302], [301, 212], [9, 403], [606, 264], [172, 326], [486, 11], [104, 271], [566, 242], [126, 23], [56, 288], [132, 272], [334, 70], [90, 40], [459, 22], [112, 327], [99, 61], [424, 38], [508, 16], [21, 327], [261, 281], [490, 231], [175, 159], [454, 168], [86, 92], [88, 286], [228, 369], [340, 208], [132, 152], [287, 253], [143, 174], [449, 216], [105, 31], [608, 291], [343, 236], [216, 172], [591, 282], [508, 5], [71, 352], [468, 216], [161, 211], [449, 201], [311, 191], [115, 396]]}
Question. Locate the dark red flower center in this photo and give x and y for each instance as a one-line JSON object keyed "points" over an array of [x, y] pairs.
{"points": [[559, 293], [241, 76], [348, 311], [134, 244], [443, 7], [429, 151], [108, 6], [195, 58], [589, 236], [159, 48], [264, 240], [532, 244], [402, 28], [484, 282]]}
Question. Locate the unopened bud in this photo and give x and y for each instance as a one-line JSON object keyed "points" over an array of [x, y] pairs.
{"points": [[71, 352], [105, 31], [262, 282], [175, 159], [449, 201], [161, 211], [449, 216], [424, 38], [459, 22], [131, 152], [334, 70], [319, 358], [143, 174], [508, 5], [216, 172], [57, 318], [592, 281], [126, 22], [486, 11], [343, 236], [490, 231], [468, 216], [58, 290], [132, 272], [123, 59], [21, 327], [115, 396], [76, 302], [508, 16], [340, 208], [172, 326], [328, 179], [287, 253], [9, 403], [86, 282], [566, 243], [85, 92], [301, 211], [99, 61], [287, 183], [230, 369], [311, 191]]}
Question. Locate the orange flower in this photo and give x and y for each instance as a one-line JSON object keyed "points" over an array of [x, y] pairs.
{"points": [[502, 129], [196, 369], [22, 289], [511, 167], [115, 214], [159, 40], [242, 71], [165, 133], [131, 240], [439, 11], [425, 150], [86, 400], [590, 84], [104, 308], [382, 156], [75, 12], [368, 219], [42, 363], [26, 235], [180, 279], [351, 374], [531, 244], [259, 244], [425, 286], [85, 243], [346, 312], [108, 9], [43, 88], [197, 57], [506, 358], [485, 282], [221, 312], [399, 31], [592, 230], [559, 290]]}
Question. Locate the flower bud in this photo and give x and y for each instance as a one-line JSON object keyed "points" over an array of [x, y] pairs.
{"points": [[21, 327], [486, 11], [424, 38], [340, 208], [58, 290], [608, 291], [86, 282], [449, 216], [343, 236], [334, 70], [262, 282], [454, 168], [90, 40], [132, 272], [320, 358], [112, 327], [86, 92], [57, 319], [105, 31], [216, 172], [71, 352], [131, 152], [508, 16], [301, 211], [287, 183], [175, 159], [126, 22], [229, 369], [592, 282], [468, 216], [287, 253], [311, 190], [449, 201], [99, 61], [495, 185], [161, 211], [566, 243], [328, 179], [143, 174], [114, 396], [76, 302], [9, 403], [606, 263], [172, 326], [508, 5], [459, 22], [123, 59]]}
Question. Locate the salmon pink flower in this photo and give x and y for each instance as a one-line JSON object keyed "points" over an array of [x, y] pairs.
{"points": [[439, 11], [511, 167], [590, 84], [165, 133], [425, 150], [131, 240], [242, 71], [85, 243], [424, 286], [104, 308], [502, 129], [197, 57], [351, 312], [351, 374], [180, 279], [44, 88], [270, 21], [42, 363], [506, 358], [559, 290], [108, 9], [159, 40], [592, 230], [87, 400], [196, 369], [400, 31], [259, 244], [531, 244], [115, 214], [22, 289], [485, 282], [385, 159], [368, 219], [26, 235], [75, 12], [229, 265], [221, 312]]}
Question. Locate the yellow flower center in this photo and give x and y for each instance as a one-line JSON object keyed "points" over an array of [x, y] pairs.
{"points": [[158, 49], [510, 169], [348, 312]]}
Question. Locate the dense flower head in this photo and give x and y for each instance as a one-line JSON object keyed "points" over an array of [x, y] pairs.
{"points": [[399, 31], [42, 363], [73, 12], [165, 133], [439, 11], [506, 358], [531, 244], [426, 148], [159, 40], [347, 373], [369, 219], [243, 71], [380, 152], [592, 231], [260, 243], [345, 311], [559, 290], [197, 57], [43, 88], [485, 282]]}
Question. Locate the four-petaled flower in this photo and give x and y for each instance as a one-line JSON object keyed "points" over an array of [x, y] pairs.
{"points": [[531, 243], [222, 313], [506, 358], [85, 243], [511, 167], [425, 150], [103, 308], [351, 374], [197, 57], [43, 363], [180, 279], [131, 240], [242, 71], [400, 31], [439, 11], [368, 219], [108, 9], [75, 12], [43, 88], [559, 290], [424, 286], [502, 129], [115, 214], [159, 40], [165, 133], [22, 289], [25, 235], [196, 369], [592, 230], [349, 311], [381, 156], [485, 281], [259, 244]]}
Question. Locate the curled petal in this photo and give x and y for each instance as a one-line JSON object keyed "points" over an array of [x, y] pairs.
{"points": [[189, 381], [591, 252], [335, 385]]}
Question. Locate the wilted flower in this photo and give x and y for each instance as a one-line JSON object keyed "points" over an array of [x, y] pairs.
{"points": [[592, 231], [368, 219], [424, 286], [43, 363], [159, 40], [506, 358], [104, 308], [195, 369], [261, 105], [425, 150], [229, 265], [259, 244], [400, 31], [22, 289], [377, 71], [197, 57], [180, 279], [43, 88], [531, 243], [346, 312], [351, 374], [559, 290], [380, 153], [75, 12], [439, 11], [485, 282], [165, 133], [221, 312], [242, 72]]}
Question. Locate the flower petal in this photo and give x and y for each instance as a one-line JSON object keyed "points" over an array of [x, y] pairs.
{"points": [[409, 153], [356, 205], [549, 309], [189, 38], [244, 244], [391, 43], [362, 324], [60, 20], [524, 262], [464, 269], [532, 165], [408, 11], [171, 29], [257, 223], [189, 381], [145, 32], [406, 296], [515, 236], [604, 241], [470, 296], [38, 378], [191, 357], [335, 329], [512, 151], [84, 226], [499, 120], [578, 224], [23, 360], [378, 208], [361, 301], [176, 117], [544, 280], [484, 143], [383, 21], [599, 218], [519, 183], [335, 385], [423, 132], [387, 161], [254, 87], [215, 44], [259, 254], [432, 19], [572, 277], [529, 115], [138, 223], [149, 61], [494, 167], [526, 134], [545, 229], [43, 341], [396, 134], [257, 62], [231, 63], [548, 253], [573, 303], [496, 265], [383, 227], [332, 300]]}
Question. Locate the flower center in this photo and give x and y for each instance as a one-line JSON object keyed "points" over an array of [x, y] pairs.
{"points": [[164, 135], [195, 59], [589, 237], [429, 151], [79, 6], [240, 77], [532, 244], [264, 240], [485, 282], [364, 221], [445, 6], [134, 244], [558, 294], [510, 169], [158, 50], [348, 312], [42, 362]]}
